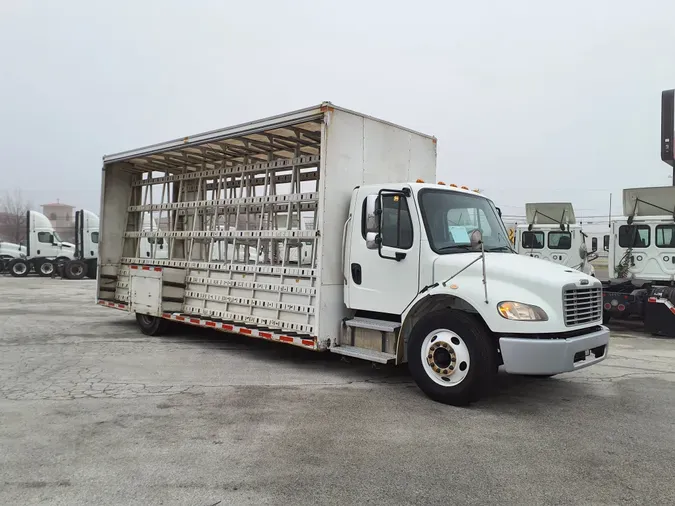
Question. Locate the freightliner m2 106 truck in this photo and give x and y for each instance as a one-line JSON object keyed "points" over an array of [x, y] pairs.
{"points": [[395, 268]]}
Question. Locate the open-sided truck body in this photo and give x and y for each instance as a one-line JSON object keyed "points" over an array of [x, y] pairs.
{"points": [[308, 228]]}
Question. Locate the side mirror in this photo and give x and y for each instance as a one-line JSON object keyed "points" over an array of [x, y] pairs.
{"points": [[594, 244], [372, 240], [372, 215], [476, 240], [605, 243]]}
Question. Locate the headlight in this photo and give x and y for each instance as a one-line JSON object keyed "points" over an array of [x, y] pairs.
{"points": [[519, 311]]}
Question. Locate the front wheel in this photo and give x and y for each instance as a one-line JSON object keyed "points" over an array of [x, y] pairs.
{"points": [[75, 269], [151, 325], [19, 268], [451, 357]]}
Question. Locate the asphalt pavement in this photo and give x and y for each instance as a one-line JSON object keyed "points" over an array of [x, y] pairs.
{"points": [[93, 412]]}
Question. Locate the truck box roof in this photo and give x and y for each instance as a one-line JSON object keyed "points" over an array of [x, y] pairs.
{"points": [[285, 134]]}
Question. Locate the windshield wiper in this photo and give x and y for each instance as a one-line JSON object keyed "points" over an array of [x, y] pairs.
{"points": [[498, 248], [464, 247]]}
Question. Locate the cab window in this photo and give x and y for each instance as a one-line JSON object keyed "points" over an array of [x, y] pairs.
{"points": [[634, 236], [665, 236], [396, 222], [533, 240], [45, 237], [94, 237], [559, 240]]}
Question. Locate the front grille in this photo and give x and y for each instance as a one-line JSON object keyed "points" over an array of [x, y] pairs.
{"points": [[582, 305]]}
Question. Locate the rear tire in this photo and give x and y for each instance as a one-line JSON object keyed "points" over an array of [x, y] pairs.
{"points": [[92, 268], [606, 316], [75, 269], [451, 357], [151, 325], [19, 268], [45, 268]]}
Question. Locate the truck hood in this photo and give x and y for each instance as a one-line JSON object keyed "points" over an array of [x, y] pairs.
{"points": [[515, 278]]}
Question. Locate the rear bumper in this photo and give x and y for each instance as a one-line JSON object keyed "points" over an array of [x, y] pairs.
{"points": [[553, 356]]}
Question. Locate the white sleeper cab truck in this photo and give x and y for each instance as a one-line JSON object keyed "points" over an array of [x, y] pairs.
{"points": [[552, 234], [641, 260], [45, 250], [398, 271], [9, 251]]}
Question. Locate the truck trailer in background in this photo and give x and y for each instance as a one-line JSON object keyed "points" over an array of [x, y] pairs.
{"points": [[387, 269]]}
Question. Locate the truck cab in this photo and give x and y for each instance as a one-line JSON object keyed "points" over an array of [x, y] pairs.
{"points": [[641, 260], [44, 241], [552, 234], [415, 254]]}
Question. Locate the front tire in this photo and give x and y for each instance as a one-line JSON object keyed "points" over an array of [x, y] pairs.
{"points": [[18, 268], [451, 357], [75, 269], [151, 325]]}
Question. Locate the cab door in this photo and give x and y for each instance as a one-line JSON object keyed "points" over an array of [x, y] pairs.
{"points": [[384, 279]]}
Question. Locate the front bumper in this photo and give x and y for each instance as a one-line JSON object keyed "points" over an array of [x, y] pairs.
{"points": [[553, 356]]}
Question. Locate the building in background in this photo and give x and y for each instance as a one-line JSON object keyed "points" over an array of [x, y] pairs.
{"points": [[62, 217]]}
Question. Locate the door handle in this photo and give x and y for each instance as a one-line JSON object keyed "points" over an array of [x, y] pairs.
{"points": [[356, 273]]}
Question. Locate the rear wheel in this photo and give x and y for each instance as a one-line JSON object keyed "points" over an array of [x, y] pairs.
{"points": [[606, 316], [75, 269], [92, 268], [151, 325], [19, 268], [44, 268], [451, 357]]}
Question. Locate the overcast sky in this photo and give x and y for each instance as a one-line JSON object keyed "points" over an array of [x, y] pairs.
{"points": [[530, 100]]}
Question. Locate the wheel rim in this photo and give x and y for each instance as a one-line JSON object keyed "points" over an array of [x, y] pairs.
{"points": [[19, 268], [47, 268], [76, 270], [445, 357]]}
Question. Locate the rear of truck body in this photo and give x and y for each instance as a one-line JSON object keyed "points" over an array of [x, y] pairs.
{"points": [[305, 229]]}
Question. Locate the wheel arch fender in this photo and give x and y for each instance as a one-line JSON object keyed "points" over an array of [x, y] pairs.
{"points": [[426, 305]]}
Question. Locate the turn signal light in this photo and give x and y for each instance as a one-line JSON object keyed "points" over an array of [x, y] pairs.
{"points": [[420, 181]]}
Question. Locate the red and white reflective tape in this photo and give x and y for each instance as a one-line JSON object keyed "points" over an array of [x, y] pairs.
{"points": [[146, 268], [113, 304], [668, 304], [303, 342]]}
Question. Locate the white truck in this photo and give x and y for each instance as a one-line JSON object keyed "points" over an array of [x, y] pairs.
{"points": [[641, 260], [45, 250], [552, 234], [399, 271]]}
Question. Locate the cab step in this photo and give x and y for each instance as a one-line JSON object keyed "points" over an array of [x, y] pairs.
{"points": [[370, 355], [372, 324]]}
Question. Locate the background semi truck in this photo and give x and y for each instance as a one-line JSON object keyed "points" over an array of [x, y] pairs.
{"points": [[396, 271], [641, 260], [45, 250], [552, 233]]}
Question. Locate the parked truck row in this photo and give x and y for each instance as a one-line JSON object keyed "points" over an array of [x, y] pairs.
{"points": [[45, 253], [324, 228]]}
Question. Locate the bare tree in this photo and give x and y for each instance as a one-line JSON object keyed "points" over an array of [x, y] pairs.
{"points": [[13, 211]]}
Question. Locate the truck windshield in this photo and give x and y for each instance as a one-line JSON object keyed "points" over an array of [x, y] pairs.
{"points": [[450, 217], [56, 236]]}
